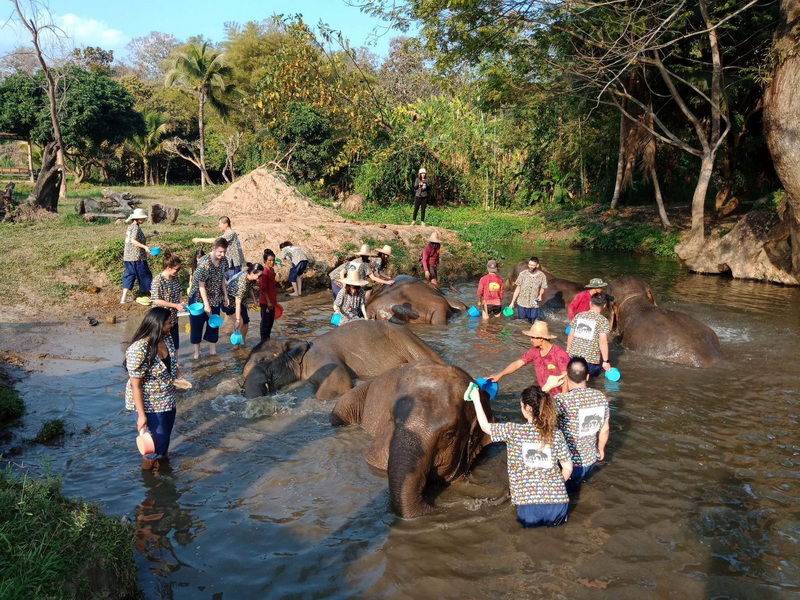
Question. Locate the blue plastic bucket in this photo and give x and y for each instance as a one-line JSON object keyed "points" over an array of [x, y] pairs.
{"points": [[155, 251], [196, 309], [613, 374], [215, 321], [236, 338], [489, 386], [473, 311], [336, 318], [568, 329]]}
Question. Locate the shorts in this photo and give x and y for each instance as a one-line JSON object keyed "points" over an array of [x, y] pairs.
{"points": [[578, 475], [494, 309], [542, 515], [531, 314], [198, 322], [137, 269], [232, 271], [231, 310], [434, 271], [297, 270]]}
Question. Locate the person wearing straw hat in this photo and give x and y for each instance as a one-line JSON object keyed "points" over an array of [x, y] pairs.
{"points": [[582, 300], [547, 358], [379, 265], [351, 301], [491, 290], [421, 189], [361, 264], [430, 259], [134, 256], [588, 335]]}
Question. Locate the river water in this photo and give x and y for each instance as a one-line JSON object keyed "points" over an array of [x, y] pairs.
{"points": [[698, 497]]}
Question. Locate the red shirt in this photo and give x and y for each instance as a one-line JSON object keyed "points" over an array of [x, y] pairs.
{"points": [[268, 287], [555, 363], [581, 303], [430, 256], [492, 296]]}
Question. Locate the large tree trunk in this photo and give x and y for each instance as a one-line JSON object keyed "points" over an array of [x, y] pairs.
{"points": [[620, 163], [697, 235], [782, 117], [30, 161], [204, 178], [46, 191]]}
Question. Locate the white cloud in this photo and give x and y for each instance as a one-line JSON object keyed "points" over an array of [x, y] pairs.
{"points": [[90, 32]]}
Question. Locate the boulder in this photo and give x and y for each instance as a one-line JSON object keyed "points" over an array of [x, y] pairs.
{"points": [[353, 203]]}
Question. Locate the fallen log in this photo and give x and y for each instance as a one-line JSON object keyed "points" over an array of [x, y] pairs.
{"points": [[125, 201]]}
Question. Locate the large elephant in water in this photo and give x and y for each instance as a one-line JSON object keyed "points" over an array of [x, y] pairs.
{"points": [[559, 293], [331, 362], [412, 300], [658, 332], [423, 432]]}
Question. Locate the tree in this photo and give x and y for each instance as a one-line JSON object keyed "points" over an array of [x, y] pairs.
{"points": [[21, 100], [406, 74], [94, 59], [150, 55], [203, 70], [149, 143]]}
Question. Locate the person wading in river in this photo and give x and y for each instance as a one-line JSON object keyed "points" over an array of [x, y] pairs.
{"points": [[529, 292], [588, 335], [582, 301], [208, 286]]}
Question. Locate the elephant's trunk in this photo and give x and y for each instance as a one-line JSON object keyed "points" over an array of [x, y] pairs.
{"points": [[408, 468]]}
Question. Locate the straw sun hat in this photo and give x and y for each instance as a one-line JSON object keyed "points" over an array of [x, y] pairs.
{"points": [[435, 238], [137, 214], [352, 278], [387, 250], [539, 330], [365, 251]]}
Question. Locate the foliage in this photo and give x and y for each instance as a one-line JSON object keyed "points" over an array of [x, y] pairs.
{"points": [[50, 430], [52, 545], [308, 137], [11, 405], [149, 55], [22, 101]]}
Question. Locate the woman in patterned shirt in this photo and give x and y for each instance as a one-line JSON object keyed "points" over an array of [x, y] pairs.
{"points": [[166, 291], [539, 461], [150, 391], [135, 257], [238, 286], [350, 301]]}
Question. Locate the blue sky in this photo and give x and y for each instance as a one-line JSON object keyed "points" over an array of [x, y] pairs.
{"points": [[113, 23]]}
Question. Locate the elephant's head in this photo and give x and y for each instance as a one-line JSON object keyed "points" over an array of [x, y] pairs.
{"points": [[625, 289], [271, 374]]}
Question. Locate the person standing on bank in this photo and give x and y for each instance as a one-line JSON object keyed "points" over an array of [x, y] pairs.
{"points": [[268, 298], [208, 286], [588, 336], [166, 292], [430, 259], [581, 303], [234, 254], [529, 292], [135, 257], [150, 391], [299, 263], [421, 189]]}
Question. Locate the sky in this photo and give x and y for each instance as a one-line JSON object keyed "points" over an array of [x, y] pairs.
{"points": [[111, 24]]}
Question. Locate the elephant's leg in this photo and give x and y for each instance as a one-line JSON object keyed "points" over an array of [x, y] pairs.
{"points": [[336, 383], [410, 459], [439, 316], [350, 407]]}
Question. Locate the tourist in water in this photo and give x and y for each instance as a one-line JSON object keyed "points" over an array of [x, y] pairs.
{"points": [[379, 265], [152, 367], [547, 358], [539, 461], [268, 298], [208, 286], [166, 292], [351, 301], [361, 264], [134, 257], [529, 292], [421, 190], [588, 336], [583, 418], [491, 290], [239, 286], [298, 262], [234, 255], [582, 301], [430, 259]]}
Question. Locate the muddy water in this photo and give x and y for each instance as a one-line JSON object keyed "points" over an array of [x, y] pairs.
{"points": [[698, 497]]}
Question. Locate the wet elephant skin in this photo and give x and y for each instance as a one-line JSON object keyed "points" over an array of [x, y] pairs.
{"points": [[412, 300]]}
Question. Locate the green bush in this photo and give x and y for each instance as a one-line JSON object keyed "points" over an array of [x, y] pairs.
{"points": [[52, 429], [11, 405]]}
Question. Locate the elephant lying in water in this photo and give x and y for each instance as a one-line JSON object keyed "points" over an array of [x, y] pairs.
{"points": [[559, 293], [412, 300], [658, 332], [356, 349], [423, 432]]}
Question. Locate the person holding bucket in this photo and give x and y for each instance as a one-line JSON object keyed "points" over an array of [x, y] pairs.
{"points": [[268, 296], [491, 290], [166, 292], [152, 367], [351, 301], [529, 292], [134, 256], [208, 286], [238, 287], [298, 263], [430, 259], [588, 336]]}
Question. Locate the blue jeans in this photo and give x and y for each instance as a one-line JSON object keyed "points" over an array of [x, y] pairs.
{"points": [[530, 314], [542, 515], [578, 475], [160, 426], [232, 271], [137, 269], [176, 338]]}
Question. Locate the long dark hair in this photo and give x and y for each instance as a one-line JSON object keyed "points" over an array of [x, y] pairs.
{"points": [[171, 260], [254, 268], [152, 329], [544, 411]]}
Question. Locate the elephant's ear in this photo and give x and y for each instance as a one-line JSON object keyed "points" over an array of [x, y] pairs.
{"points": [[296, 349], [455, 303]]}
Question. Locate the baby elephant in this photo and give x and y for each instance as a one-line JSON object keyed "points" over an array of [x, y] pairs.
{"points": [[423, 432]]}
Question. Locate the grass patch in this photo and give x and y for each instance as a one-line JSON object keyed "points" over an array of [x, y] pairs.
{"points": [[57, 548], [11, 405], [51, 430]]}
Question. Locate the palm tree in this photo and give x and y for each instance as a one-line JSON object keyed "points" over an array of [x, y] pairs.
{"points": [[203, 70], [149, 143]]}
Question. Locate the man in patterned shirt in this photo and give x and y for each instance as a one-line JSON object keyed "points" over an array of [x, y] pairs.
{"points": [[209, 287], [583, 419], [234, 256], [528, 294], [588, 336]]}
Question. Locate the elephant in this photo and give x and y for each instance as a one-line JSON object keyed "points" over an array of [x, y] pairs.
{"points": [[559, 293], [423, 432], [661, 333], [355, 350], [412, 300]]}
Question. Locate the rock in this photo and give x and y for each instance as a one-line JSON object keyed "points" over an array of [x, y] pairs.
{"points": [[353, 204], [278, 220], [158, 213], [110, 319], [92, 289], [757, 247]]}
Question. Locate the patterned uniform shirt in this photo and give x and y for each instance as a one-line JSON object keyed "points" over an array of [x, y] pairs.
{"points": [[213, 277], [158, 387], [364, 269], [533, 472], [587, 327], [234, 254], [293, 254], [529, 285], [133, 253], [239, 286], [168, 290], [349, 306], [581, 414]]}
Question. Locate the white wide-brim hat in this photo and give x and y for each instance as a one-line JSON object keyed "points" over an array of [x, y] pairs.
{"points": [[435, 238], [138, 213], [365, 251], [352, 278], [387, 250]]}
